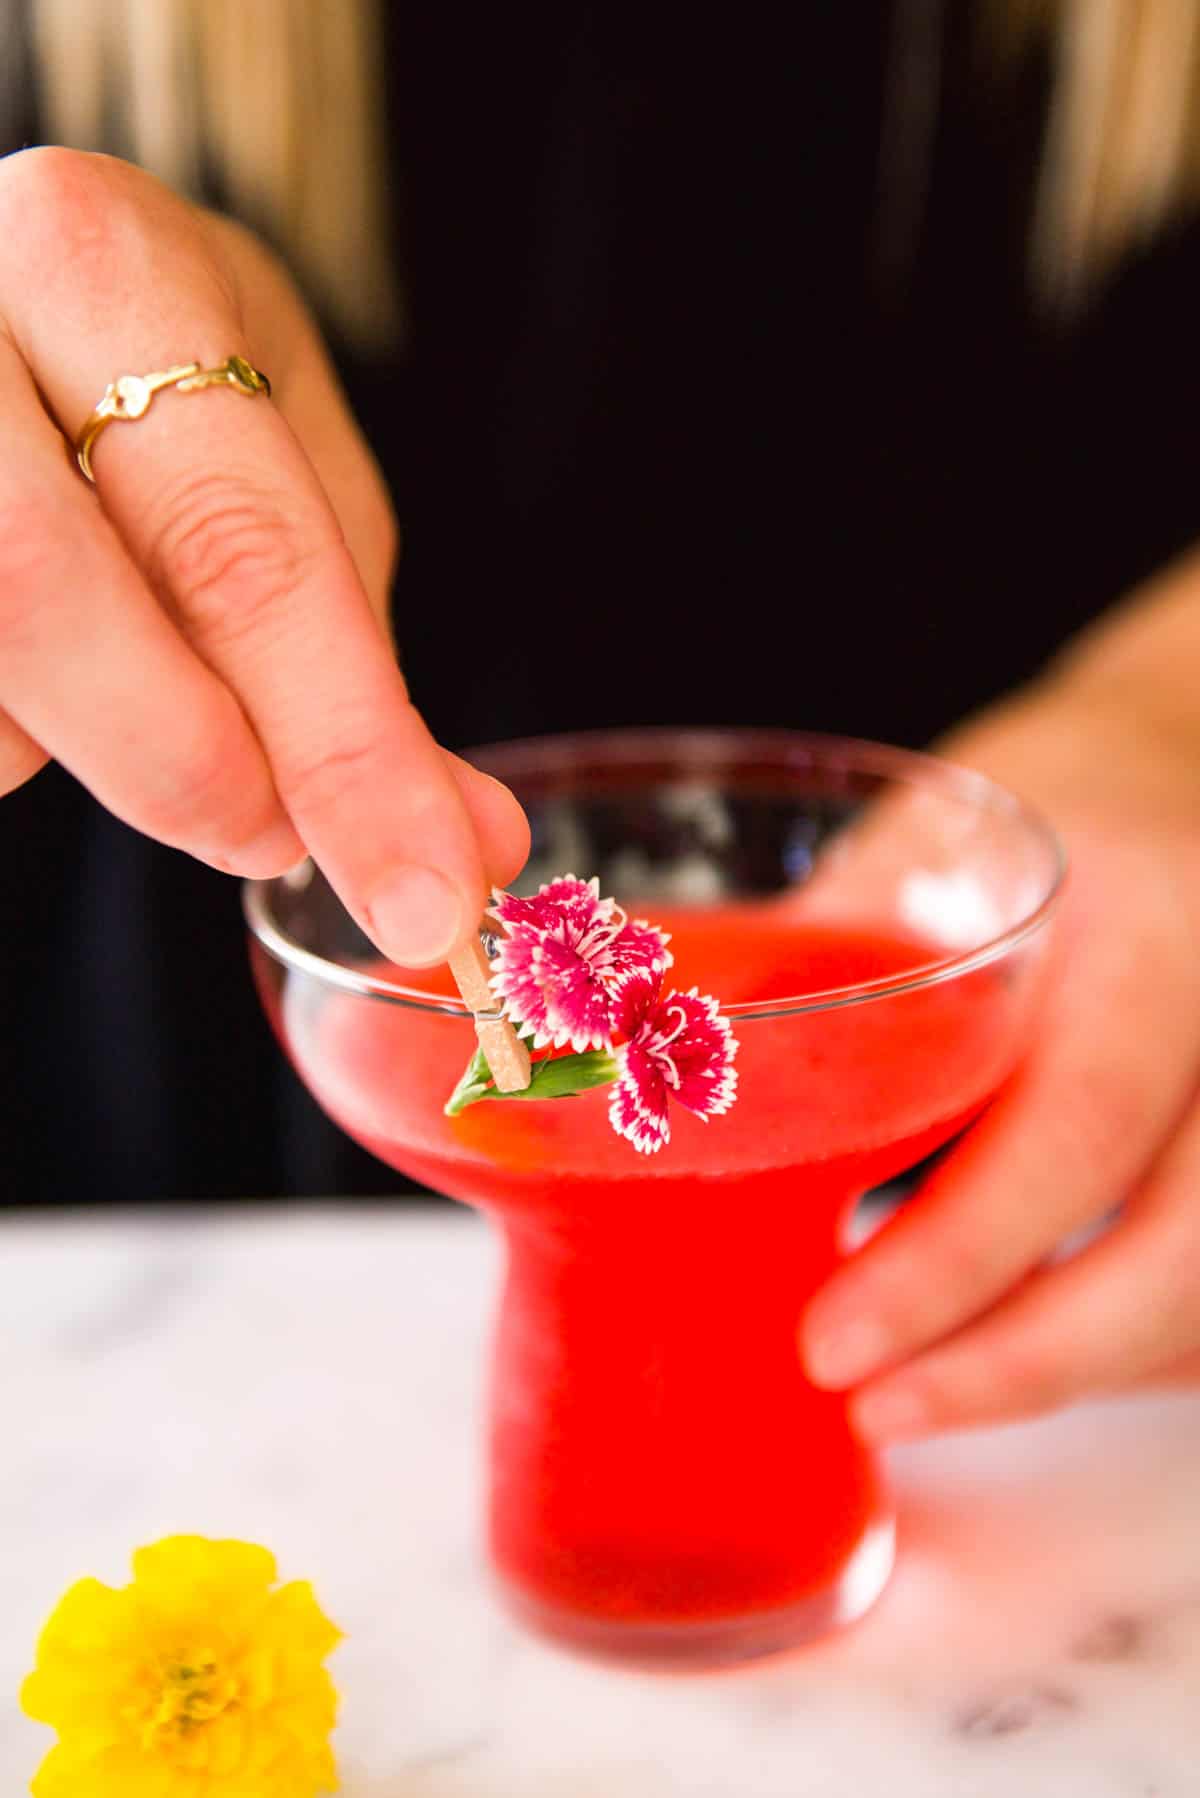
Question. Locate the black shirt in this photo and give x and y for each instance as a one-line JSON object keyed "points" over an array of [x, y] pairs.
{"points": [[725, 401]]}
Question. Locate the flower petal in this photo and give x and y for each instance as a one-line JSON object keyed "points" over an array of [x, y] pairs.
{"points": [[87, 1652], [565, 900], [516, 982], [291, 1640], [641, 948], [208, 1571], [573, 969], [555, 970], [633, 999], [578, 1004], [647, 1134], [703, 1053], [638, 1107], [66, 1773]]}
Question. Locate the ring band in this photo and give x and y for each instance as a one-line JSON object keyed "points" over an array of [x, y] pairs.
{"points": [[129, 396]]}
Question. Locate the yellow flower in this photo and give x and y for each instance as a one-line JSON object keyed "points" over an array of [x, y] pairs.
{"points": [[197, 1681]]}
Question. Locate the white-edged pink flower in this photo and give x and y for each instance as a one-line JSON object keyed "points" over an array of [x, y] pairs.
{"points": [[572, 968], [564, 958], [680, 1047]]}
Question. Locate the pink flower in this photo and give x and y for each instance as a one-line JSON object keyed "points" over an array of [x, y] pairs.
{"points": [[566, 954], [571, 967], [679, 1046]]}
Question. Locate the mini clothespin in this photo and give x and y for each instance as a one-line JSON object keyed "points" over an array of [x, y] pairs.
{"points": [[507, 1056]]}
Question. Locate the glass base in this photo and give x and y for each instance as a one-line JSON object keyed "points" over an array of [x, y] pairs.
{"points": [[721, 1641]]}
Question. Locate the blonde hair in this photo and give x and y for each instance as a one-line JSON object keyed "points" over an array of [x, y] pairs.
{"points": [[280, 100], [1122, 148]]}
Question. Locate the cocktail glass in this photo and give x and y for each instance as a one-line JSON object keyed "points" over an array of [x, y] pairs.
{"points": [[666, 1485]]}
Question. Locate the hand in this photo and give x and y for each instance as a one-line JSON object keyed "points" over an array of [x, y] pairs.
{"points": [[962, 1310], [205, 644]]}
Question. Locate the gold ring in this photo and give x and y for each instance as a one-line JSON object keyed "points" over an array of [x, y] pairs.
{"points": [[129, 396]]}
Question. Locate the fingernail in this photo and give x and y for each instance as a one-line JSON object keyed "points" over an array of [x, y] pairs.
{"points": [[846, 1353], [417, 917], [889, 1415]]}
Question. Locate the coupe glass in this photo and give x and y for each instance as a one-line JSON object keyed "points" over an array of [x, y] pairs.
{"points": [[666, 1486]]}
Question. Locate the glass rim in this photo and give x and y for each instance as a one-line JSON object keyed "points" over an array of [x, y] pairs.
{"points": [[691, 752]]}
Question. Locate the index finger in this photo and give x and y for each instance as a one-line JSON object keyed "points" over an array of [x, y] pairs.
{"points": [[218, 503]]}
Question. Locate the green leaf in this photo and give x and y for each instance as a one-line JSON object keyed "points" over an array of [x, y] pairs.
{"points": [[558, 1077], [567, 1075], [475, 1084]]}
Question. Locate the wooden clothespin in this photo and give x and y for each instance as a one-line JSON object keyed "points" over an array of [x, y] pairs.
{"points": [[507, 1056]]}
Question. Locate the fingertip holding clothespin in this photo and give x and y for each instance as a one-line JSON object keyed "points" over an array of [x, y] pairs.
{"points": [[507, 1057]]}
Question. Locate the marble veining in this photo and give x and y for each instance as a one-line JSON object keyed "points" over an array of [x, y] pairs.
{"points": [[311, 1378]]}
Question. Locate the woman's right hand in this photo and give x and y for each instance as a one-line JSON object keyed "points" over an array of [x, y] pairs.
{"points": [[202, 640]]}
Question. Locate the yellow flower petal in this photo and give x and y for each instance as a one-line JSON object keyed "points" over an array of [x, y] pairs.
{"points": [[117, 1774], [86, 1655], [196, 1681], [194, 1564]]}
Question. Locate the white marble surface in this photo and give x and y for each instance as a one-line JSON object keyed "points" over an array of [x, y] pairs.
{"points": [[311, 1379]]}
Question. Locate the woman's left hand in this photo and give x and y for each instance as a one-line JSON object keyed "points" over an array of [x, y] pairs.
{"points": [[1055, 1252]]}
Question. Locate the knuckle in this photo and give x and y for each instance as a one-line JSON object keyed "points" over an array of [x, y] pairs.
{"points": [[230, 555], [48, 173], [82, 223], [68, 196], [321, 781]]}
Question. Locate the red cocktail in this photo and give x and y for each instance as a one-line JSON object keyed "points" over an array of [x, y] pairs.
{"points": [[665, 1482]]}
